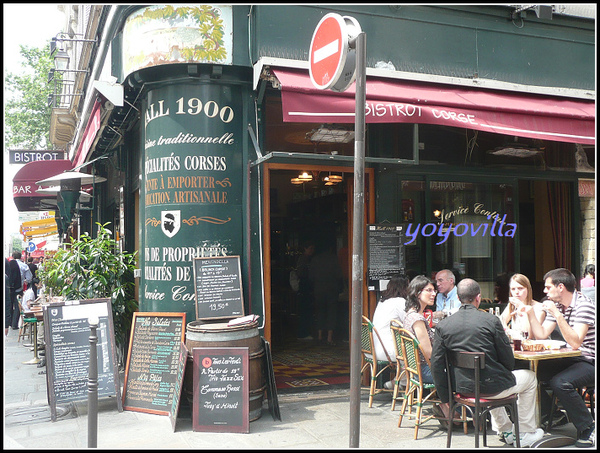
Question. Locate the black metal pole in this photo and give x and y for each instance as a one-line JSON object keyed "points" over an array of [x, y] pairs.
{"points": [[93, 386], [357, 238]]}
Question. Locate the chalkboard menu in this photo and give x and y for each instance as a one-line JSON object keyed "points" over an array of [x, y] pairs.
{"points": [[221, 397], [67, 334], [385, 251], [271, 383], [183, 356], [153, 362], [218, 287]]}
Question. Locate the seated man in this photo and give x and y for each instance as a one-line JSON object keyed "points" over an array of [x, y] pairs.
{"points": [[446, 302], [472, 330], [575, 316]]}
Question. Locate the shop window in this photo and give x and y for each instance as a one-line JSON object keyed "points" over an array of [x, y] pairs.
{"points": [[476, 229], [411, 212], [469, 227]]}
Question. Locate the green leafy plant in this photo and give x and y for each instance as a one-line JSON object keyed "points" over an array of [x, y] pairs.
{"points": [[92, 268]]}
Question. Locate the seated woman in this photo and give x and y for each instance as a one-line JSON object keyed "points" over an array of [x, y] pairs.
{"points": [[391, 306], [421, 294], [513, 316]]}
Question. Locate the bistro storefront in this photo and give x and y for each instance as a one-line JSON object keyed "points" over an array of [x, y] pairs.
{"points": [[225, 148]]}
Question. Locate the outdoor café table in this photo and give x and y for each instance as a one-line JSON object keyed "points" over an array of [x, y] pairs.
{"points": [[534, 357]]}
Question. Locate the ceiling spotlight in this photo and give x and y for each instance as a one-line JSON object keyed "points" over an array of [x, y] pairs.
{"points": [[305, 176]]}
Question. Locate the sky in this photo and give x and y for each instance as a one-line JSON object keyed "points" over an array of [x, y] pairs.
{"points": [[30, 24]]}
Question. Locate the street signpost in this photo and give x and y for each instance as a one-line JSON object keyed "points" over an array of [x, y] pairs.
{"points": [[337, 58], [332, 59]]}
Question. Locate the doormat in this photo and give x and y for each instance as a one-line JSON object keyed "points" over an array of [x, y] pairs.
{"points": [[309, 375], [310, 365], [306, 383]]}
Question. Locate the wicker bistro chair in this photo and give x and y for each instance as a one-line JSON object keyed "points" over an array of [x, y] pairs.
{"points": [[477, 406], [400, 368], [376, 367], [414, 394]]}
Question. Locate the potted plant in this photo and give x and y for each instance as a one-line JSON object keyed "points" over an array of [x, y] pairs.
{"points": [[90, 268]]}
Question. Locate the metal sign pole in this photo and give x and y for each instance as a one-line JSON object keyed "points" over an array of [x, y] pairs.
{"points": [[93, 385], [357, 237]]}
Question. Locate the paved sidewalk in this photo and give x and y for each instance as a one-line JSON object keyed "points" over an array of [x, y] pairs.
{"points": [[311, 420]]}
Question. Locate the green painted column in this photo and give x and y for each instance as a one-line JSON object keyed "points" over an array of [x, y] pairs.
{"points": [[192, 188]]}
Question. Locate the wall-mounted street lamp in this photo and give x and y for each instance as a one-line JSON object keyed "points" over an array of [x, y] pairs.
{"points": [[61, 57], [61, 65]]}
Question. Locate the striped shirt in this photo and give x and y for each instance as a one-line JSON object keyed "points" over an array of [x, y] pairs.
{"points": [[581, 311]]}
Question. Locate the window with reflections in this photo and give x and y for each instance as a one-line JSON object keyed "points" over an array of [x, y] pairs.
{"points": [[465, 226]]}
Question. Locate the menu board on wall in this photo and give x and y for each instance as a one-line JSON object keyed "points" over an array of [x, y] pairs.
{"points": [[221, 396], [218, 285], [153, 362], [67, 334], [385, 251]]}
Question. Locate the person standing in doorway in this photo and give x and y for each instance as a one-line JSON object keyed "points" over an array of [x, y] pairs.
{"points": [[325, 276], [305, 294]]}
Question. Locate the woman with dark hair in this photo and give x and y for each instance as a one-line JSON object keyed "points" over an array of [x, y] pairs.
{"points": [[391, 306], [589, 276], [421, 294]]}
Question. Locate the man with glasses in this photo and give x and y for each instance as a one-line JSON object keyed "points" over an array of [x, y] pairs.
{"points": [[446, 302], [575, 316]]}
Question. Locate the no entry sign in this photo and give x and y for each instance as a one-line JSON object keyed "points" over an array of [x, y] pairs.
{"points": [[332, 61]]}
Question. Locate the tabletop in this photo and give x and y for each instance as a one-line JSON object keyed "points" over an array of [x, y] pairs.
{"points": [[547, 354]]}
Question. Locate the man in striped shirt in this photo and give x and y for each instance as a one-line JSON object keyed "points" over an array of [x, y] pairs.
{"points": [[575, 316]]}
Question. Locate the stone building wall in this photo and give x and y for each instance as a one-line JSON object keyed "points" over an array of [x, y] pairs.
{"points": [[588, 231]]}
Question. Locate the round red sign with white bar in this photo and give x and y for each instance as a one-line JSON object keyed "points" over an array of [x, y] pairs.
{"points": [[332, 62]]}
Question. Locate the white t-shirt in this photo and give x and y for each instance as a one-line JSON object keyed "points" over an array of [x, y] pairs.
{"points": [[385, 311], [28, 298]]}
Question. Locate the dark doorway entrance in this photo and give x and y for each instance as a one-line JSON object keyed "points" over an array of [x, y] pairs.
{"points": [[300, 211]]}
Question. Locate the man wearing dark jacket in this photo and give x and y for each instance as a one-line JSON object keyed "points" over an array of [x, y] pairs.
{"points": [[472, 330], [15, 284]]}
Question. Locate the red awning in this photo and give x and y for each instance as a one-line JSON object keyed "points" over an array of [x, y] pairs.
{"points": [[399, 101], [25, 194], [91, 129]]}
